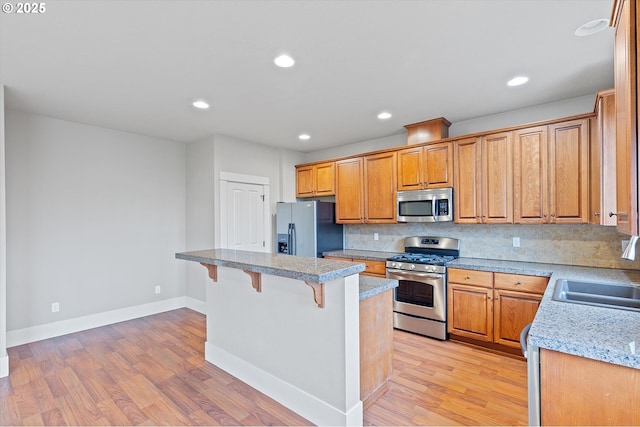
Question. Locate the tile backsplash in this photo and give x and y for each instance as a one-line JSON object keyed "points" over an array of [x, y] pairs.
{"points": [[583, 245]]}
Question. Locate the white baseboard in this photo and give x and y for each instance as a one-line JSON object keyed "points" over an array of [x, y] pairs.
{"points": [[299, 401], [4, 366], [56, 329], [196, 305]]}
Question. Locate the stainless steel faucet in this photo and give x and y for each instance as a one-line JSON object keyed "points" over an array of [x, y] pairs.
{"points": [[630, 252]]}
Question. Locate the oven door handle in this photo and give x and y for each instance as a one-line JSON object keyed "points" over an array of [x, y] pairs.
{"points": [[414, 273]]}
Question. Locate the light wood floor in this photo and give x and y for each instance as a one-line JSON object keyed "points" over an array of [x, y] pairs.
{"points": [[151, 371]]}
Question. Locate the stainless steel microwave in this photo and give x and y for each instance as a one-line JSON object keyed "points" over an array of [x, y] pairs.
{"points": [[433, 205]]}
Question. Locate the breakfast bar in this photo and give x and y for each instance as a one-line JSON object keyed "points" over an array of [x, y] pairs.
{"points": [[291, 327]]}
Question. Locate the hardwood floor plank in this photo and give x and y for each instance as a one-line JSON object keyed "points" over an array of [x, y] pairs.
{"points": [[151, 371]]}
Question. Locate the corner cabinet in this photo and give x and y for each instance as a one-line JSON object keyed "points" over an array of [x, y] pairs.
{"points": [[551, 173], [366, 189], [603, 160], [492, 307], [625, 75], [429, 166]]}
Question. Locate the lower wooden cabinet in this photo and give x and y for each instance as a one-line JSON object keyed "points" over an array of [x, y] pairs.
{"points": [[580, 392], [371, 268], [492, 307]]}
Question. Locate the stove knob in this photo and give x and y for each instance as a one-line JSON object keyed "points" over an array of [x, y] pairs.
{"points": [[412, 267], [393, 265], [432, 269]]}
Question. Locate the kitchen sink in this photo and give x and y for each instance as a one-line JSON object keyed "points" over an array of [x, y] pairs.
{"points": [[621, 296]]}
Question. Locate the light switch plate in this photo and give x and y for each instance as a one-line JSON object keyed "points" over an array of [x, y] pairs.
{"points": [[516, 242]]}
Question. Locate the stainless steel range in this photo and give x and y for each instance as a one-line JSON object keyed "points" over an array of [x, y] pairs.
{"points": [[420, 301]]}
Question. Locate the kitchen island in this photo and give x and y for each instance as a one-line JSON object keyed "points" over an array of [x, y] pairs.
{"points": [[290, 327]]}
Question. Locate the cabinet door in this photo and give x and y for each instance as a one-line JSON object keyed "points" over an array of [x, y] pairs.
{"points": [[380, 188], [569, 172], [304, 181], [325, 179], [467, 171], [625, 53], [512, 311], [530, 180], [602, 176], [576, 391], [497, 179], [349, 191], [410, 169], [469, 311], [438, 165]]}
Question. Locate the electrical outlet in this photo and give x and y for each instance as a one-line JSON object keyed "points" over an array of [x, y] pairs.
{"points": [[516, 242], [157, 289], [55, 307], [375, 236]]}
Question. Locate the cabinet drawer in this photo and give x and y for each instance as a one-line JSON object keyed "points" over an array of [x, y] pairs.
{"points": [[378, 268], [471, 277], [521, 282]]}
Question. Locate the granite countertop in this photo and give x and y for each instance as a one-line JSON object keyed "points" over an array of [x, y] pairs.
{"points": [[315, 270], [593, 332], [371, 286], [360, 254]]}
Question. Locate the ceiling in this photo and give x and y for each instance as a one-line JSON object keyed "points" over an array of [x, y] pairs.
{"points": [[138, 65]]}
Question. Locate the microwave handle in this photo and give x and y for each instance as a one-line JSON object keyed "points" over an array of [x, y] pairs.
{"points": [[434, 201]]}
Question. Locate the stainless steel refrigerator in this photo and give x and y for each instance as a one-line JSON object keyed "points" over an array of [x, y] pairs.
{"points": [[307, 228]]}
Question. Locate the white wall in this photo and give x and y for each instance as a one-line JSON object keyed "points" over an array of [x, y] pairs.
{"points": [[536, 113], [554, 110], [222, 153], [288, 160], [94, 218], [4, 358], [200, 211]]}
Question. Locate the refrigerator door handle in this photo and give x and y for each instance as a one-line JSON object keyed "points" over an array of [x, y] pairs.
{"points": [[294, 249]]}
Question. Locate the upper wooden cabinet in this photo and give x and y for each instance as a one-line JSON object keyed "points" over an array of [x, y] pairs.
{"points": [[551, 173], [427, 131], [569, 172], [349, 191], [316, 180], [366, 189], [483, 180], [380, 188], [626, 81], [428, 166], [602, 144]]}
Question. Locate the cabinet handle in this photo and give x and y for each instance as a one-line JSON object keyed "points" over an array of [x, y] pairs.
{"points": [[518, 283], [612, 214], [467, 278], [488, 297], [544, 215], [596, 214], [553, 215]]}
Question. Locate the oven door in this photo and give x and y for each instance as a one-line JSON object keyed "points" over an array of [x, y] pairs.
{"points": [[420, 294]]}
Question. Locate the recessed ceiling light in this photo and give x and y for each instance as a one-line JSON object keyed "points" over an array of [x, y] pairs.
{"points": [[592, 27], [201, 105], [284, 61], [384, 115], [304, 137], [517, 81]]}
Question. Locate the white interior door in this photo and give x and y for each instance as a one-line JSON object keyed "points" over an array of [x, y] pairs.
{"points": [[245, 217]]}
